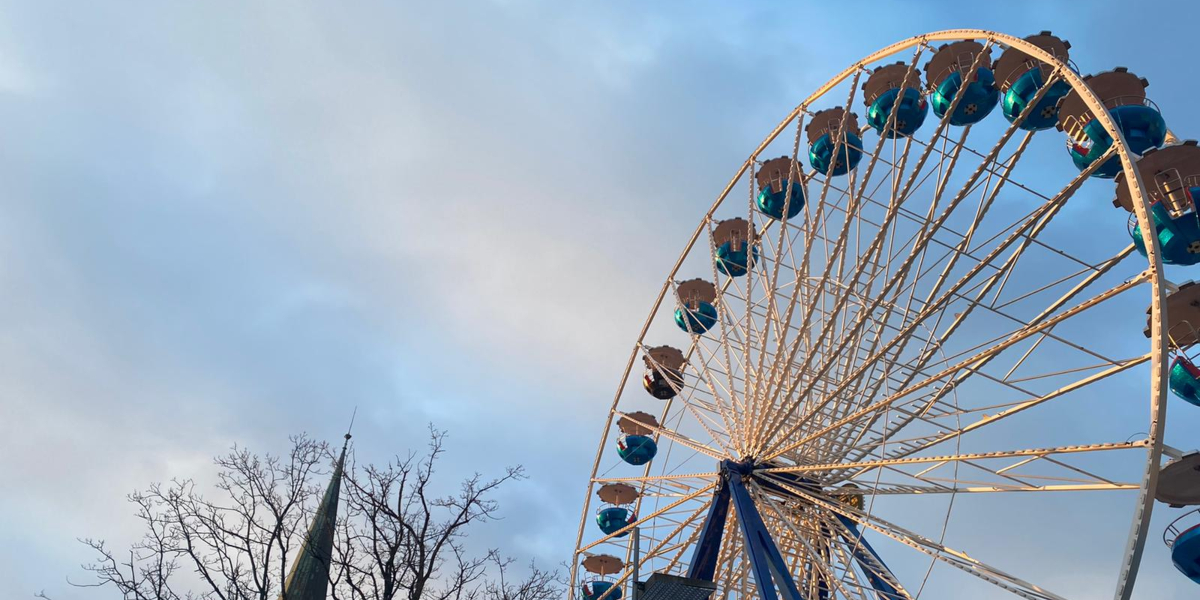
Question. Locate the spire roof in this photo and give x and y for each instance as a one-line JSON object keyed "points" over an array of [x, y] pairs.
{"points": [[309, 579]]}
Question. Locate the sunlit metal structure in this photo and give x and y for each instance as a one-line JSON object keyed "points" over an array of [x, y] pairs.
{"points": [[910, 333]]}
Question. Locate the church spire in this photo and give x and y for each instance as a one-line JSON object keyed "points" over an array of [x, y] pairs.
{"points": [[309, 579]]}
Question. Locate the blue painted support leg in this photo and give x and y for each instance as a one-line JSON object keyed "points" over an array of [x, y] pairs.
{"points": [[769, 567], [822, 582], [865, 555], [704, 558]]}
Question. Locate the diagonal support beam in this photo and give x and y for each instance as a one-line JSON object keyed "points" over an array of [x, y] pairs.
{"points": [[766, 562], [877, 572], [703, 565]]}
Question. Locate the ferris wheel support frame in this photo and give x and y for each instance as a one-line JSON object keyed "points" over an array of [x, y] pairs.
{"points": [[1159, 344]]}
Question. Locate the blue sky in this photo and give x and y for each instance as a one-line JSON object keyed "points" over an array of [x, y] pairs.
{"points": [[228, 222]]}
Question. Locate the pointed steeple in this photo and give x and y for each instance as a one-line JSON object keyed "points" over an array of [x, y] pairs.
{"points": [[309, 579]]}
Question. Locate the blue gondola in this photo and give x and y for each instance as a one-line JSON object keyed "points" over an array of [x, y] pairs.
{"points": [[1142, 125], [772, 203], [979, 97], [909, 116], [594, 590], [1045, 114], [822, 154], [949, 74], [1178, 238], [1184, 380], [775, 177], [615, 518], [736, 248], [1185, 553], [636, 450], [664, 372], [895, 88], [1124, 94], [834, 146], [734, 260], [1020, 78], [663, 384], [697, 319], [697, 311], [1169, 176]]}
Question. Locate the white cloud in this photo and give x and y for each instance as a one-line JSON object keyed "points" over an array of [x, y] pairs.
{"points": [[230, 224]]}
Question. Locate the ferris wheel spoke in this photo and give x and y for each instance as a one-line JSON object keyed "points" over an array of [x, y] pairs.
{"points": [[712, 378], [1003, 178], [945, 166], [902, 489], [675, 437], [703, 422], [926, 355], [660, 549], [698, 407], [876, 337], [750, 333], [1036, 328], [782, 323], [820, 565], [727, 322], [724, 364], [828, 571], [917, 248], [954, 252], [997, 413], [809, 310], [881, 581], [626, 529], [959, 251], [876, 155], [806, 231], [954, 558], [1002, 473], [707, 412], [926, 234], [771, 283], [922, 363], [916, 219], [728, 411], [1019, 233], [879, 376], [992, 351], [774, 324], [677, 477], [699, 399], [987, 415], [716, 372], [987, 420], [1061, 281], [825, 187], [841, 152], [749, 346]]}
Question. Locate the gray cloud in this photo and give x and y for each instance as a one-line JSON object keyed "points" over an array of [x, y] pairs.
{"points": [[230, 223]]}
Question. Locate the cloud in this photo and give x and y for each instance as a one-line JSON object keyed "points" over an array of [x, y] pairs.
{"points": [[230, 223]]}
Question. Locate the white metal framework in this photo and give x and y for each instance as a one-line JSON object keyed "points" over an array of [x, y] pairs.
{"points": [[933, 324]]}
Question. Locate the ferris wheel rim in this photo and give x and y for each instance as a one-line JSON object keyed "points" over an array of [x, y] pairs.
{"points": [[1153, 276]]}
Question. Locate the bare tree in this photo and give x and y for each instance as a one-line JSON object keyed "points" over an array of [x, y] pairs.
{"points": [[537, 585], [403, 540], [397, 537], [237, 547]]}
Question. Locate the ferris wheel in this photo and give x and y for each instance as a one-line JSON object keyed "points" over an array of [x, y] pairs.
{"points": [[900, 350]]}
